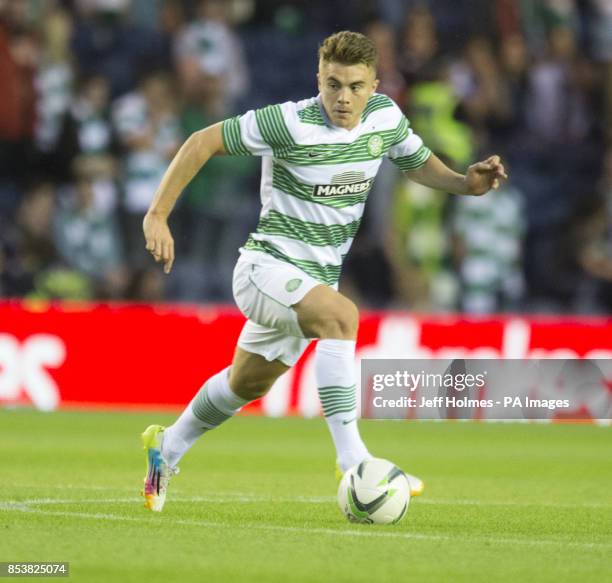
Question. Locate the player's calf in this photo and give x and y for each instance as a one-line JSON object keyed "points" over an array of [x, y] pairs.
{"points": [[252, 376]]}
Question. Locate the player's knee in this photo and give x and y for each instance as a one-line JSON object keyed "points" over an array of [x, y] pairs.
{"points": [[339, 319]]}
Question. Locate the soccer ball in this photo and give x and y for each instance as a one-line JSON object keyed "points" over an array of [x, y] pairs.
{"points": [[374, 492]]}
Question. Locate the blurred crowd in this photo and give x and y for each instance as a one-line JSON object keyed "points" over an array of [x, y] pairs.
{"points": [[98, 95]]}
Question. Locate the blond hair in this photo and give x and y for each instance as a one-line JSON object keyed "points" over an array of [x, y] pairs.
{"points": [[349, 48]]}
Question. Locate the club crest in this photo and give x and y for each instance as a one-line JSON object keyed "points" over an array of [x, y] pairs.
{"points": [[375, 145]]}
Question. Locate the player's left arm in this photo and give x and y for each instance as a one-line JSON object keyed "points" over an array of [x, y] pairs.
{"points": [[478, 180]]}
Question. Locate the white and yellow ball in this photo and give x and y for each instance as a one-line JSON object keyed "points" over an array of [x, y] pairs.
{"points": [[374, 492]]}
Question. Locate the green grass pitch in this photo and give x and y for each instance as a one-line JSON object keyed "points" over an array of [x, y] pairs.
{"points": [[255, 501]]}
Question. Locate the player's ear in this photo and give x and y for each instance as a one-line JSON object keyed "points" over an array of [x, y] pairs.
{"points": [[319, 81], [375, 85]]}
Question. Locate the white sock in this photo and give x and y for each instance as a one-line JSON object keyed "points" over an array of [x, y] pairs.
{"points": [[214, 403], [335, 372]]}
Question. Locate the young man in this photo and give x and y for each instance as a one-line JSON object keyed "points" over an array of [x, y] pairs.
{"points": [[320, 157]]}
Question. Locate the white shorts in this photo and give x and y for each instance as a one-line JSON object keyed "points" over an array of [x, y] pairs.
{"points": [[265, 289]]}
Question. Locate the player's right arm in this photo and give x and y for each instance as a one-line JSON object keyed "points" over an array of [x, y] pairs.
{"points": [[193, 154], [261, 132]]}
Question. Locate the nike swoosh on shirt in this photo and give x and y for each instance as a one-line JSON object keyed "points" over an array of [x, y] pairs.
{"points": [[314, 154]]}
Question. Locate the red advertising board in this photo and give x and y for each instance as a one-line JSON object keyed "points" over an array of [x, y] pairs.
{"points": [[139, 356]]}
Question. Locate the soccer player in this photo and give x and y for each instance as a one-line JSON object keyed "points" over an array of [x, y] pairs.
{"points": [[319, 159]]}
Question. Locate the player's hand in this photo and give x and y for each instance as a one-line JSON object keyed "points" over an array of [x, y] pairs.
{"points": [[159, 240], [484, 176]]}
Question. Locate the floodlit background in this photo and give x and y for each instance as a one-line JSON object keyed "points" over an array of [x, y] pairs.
{"points": [[97, 95]]}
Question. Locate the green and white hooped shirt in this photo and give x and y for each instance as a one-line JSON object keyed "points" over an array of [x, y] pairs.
{"points": [[316, 177]]}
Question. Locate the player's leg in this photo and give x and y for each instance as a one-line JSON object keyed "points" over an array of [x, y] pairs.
{"points": [[334, 319], [252, 376], [270, 342], [328, 315], [249, 377]]}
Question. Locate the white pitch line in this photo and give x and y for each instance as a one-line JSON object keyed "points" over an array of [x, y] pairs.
{"points": [[14, 505], [245, 497], [325, 531], [252, 498], [175, 499], [78, 487]]}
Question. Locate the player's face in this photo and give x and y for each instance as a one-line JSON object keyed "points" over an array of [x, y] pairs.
{"points": [[345, 90]]}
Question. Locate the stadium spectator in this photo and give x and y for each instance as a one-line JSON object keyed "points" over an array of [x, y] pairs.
{"points": [[392, 82], [418, 248], [87, 132], [208, 47], [488, 248], [478, 83], [419, 47], [509, 132], [147, 123], [88, 238], [19, 55], [54, 79], [556, 108], [33, 251]]}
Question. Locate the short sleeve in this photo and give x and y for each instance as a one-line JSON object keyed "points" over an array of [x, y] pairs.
{"points": [[260, 132], [407, 151]]}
